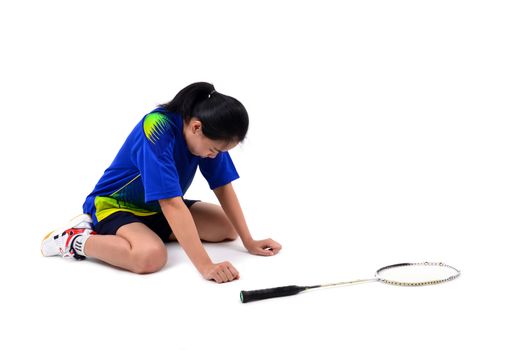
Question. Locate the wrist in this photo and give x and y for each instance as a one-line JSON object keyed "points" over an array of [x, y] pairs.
{"points": [[204, 265], [247, 241]]}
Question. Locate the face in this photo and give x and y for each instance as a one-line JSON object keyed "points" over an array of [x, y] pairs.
{"points": [[200, 145]]}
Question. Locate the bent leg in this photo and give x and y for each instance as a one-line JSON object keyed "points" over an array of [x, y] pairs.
{"points": [[212, 223], [134, 247]]}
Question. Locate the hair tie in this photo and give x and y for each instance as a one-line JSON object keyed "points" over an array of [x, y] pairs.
{"points": [[211, 93]]}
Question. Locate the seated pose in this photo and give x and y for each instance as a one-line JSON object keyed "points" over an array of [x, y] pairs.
{"points": [[137, 206]]}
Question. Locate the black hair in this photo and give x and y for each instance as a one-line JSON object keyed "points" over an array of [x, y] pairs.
{"points": [[222, 117]]}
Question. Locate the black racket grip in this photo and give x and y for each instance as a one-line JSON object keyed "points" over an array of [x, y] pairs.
{"points": [[260, 294]]}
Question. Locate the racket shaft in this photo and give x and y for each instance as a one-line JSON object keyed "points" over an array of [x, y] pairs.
{"points": [[260, 294]]}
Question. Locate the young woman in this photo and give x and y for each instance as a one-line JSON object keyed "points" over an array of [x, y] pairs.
{"points": [[137, 206]]}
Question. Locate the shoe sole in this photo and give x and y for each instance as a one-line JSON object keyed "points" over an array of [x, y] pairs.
{"points": [[74, 221]]}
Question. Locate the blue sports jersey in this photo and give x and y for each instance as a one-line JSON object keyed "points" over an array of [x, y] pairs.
{"points": [[154, 163]]}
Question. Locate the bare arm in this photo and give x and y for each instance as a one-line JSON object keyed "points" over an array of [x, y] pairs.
{"points": [[229, 202], [231, 205], [185, 231]]}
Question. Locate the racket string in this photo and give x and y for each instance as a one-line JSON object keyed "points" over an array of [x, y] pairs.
{"points": [[419, 283]]}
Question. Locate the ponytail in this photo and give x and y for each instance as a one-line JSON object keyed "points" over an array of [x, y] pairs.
{"points": [[185, 101], [222, 117]]}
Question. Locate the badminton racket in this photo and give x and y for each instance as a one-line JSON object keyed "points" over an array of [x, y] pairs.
{"points": [[404, 274]]}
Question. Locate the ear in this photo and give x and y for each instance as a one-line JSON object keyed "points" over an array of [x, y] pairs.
{"points": [[196, 126]]}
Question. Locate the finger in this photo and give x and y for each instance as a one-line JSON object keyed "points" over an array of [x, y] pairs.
{"points": [[272, 243], [228, 274], [234, 272], [264, 252], [267, 243], [276, 248], [223, 276], [216, 277]]}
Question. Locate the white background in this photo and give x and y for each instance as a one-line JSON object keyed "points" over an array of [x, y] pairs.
{"points": [[378, 135]]}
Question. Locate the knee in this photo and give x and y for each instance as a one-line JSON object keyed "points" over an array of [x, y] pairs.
{"points": [[230, 233], [150, 259]]}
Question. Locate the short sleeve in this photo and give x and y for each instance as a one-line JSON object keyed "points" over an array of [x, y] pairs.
{"points": [[155, 158], [218, 171]]}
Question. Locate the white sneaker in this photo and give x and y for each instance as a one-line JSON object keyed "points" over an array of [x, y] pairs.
{"points": [[59, 241]]}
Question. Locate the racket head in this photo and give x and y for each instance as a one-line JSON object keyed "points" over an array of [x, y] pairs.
{"points": [[417, 274]]}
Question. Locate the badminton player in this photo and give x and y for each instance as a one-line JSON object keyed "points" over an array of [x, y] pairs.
{"points": [[138, 205]]}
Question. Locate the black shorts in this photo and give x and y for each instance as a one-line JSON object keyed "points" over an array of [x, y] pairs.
{"points": [[156, 222]]}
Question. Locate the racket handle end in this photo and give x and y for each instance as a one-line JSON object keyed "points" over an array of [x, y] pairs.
{"points": [[260, 294]]}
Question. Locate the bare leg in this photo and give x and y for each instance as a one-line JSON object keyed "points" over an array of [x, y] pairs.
{"points": [[134, 247], [211, 222]]}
